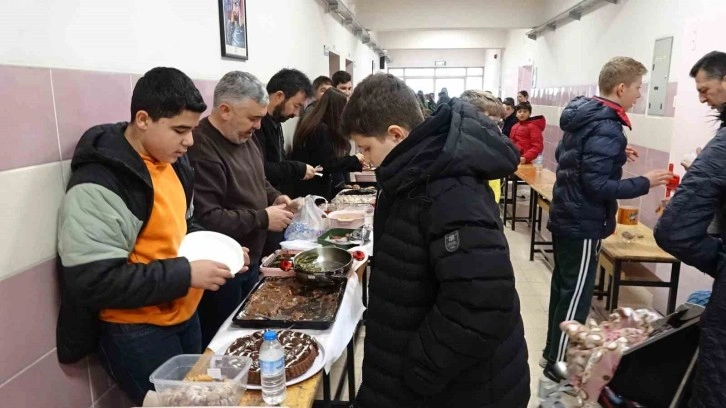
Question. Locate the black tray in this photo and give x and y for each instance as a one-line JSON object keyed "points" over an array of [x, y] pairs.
{"points": [[339, 285]]}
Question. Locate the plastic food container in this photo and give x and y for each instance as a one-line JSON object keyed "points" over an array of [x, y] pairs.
{"points": [[347, 219], [191, 380]]}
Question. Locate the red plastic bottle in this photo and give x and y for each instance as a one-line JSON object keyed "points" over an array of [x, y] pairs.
{"points": [[673, 182]]}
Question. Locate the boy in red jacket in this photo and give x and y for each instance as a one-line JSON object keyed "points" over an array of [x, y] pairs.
{"points": [[527, 134]]}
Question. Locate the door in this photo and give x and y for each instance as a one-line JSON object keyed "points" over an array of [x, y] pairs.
{"points": [[525, 78], [333, 63]]}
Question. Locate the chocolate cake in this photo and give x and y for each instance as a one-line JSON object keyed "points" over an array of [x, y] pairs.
{"points": [[300, 353], [288, 299]]}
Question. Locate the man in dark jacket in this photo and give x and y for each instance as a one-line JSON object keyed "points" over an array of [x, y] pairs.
{"points": [[590, 159], [127, 208], [288, 90], [687, 230], [232, 196], [443, 326]]}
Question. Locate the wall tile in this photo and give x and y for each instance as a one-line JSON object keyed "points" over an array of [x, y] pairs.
{"points": [[101, 382], [84, 99], [29, 135], [638, 166], [115, 398], [47, 383], [206, 88], [31, 197], [656, 159], [671, 91], [28, 312]]}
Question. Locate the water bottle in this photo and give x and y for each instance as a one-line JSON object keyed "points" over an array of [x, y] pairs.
{"points": [[538, 163], [272, 369]]}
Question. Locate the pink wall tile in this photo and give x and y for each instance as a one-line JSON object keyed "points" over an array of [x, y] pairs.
{"points": [[49, 384], [638, 166], [115, 398], [28, 312], [671, 91], [29, 134], [657, 159], [84, 99], [642, 104], [100, 381], [206, 88]]}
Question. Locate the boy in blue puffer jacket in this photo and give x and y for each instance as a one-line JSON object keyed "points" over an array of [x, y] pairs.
{"points": [[590, 159]]}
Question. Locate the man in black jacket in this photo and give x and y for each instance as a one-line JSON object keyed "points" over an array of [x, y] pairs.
{"points": [[443, 326], [692, 229], [126, 209], [511, 116], [288, 90], [590, 161]]}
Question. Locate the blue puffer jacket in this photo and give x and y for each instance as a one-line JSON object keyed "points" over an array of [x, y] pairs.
{"points": [[590, 161]]}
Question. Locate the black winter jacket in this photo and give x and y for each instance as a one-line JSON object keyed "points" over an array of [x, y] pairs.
{"points": [[280, 172], [108, 202], [443, 327], [683, 231], [590, 161]]}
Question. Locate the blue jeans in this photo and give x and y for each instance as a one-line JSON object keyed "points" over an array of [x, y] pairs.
{"points": [[216, 307], [131, 352]]}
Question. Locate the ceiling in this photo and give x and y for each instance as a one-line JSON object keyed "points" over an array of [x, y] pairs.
{"points": [[403, 15]]}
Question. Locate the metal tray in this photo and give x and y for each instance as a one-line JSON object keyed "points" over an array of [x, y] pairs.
{"points": [[338, 286]]}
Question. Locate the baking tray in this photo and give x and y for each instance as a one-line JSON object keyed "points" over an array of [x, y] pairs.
{"points": [[338, 286]]}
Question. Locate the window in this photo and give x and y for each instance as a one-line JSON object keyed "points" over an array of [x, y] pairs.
{"points": [[431, 80]]}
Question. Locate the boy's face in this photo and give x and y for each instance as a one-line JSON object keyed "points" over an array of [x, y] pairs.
{"points": [[346, 88], [523, 115], [711, 91], [167, 139], [376, 148], [321, 91], [508, 110], [630, 94]]}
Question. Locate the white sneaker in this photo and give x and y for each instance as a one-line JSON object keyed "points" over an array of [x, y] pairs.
{"points": [[547, 389]]}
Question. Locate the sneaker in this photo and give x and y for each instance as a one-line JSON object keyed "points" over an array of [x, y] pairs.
{"points": [[548, 389]]}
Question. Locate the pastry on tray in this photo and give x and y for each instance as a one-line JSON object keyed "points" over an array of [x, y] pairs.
{"points": [[288, 299], [300, 353]]}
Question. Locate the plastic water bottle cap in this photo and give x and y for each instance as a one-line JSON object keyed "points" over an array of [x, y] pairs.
{"points": [[269, 335]]}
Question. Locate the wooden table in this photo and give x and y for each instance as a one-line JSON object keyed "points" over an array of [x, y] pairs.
{"points": [[541, 184], [301, 395], [616, 251], [516, 181]]}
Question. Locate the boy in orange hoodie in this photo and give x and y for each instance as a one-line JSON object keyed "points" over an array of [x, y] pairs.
{"points": [[527, 134]]}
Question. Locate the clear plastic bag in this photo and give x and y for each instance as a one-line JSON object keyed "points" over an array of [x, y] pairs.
{"points": [[308, 223]]}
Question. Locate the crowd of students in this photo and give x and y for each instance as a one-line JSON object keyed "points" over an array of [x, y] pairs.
{"points": [[444, 325]]}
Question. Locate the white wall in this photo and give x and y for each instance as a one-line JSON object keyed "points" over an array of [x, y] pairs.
{"points": [[447, 39], [135, 35], [426, 58]]}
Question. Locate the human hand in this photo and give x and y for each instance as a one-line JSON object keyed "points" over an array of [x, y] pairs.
{"points": [[309, 172], [522, 160], [689, 159], [631, 153], [360, 157], [246, 256], [658, 177], [282, 199], [209, 275], [278, 217]]}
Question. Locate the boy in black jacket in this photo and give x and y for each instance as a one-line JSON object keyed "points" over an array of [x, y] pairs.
{"points": [[443, 326], [590, 161]]}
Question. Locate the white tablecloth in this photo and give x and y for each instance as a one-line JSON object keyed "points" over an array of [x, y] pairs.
{"points": [[334, 340]]}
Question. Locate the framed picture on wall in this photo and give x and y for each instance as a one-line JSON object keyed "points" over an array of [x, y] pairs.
{"points": [[233, 28]]}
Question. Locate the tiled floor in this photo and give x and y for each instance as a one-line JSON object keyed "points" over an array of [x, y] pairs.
{"points": [[533, 286]]}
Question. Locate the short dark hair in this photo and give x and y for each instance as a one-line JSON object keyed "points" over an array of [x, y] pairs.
{"points": [[524, 93], [290, 82], [713, 64], [320, 81], [523, 106], [378, 102], [341, 77], [509, 101], [164, 93]]}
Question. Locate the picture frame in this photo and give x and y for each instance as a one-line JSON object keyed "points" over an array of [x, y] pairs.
{"points": [[233, 29]]}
